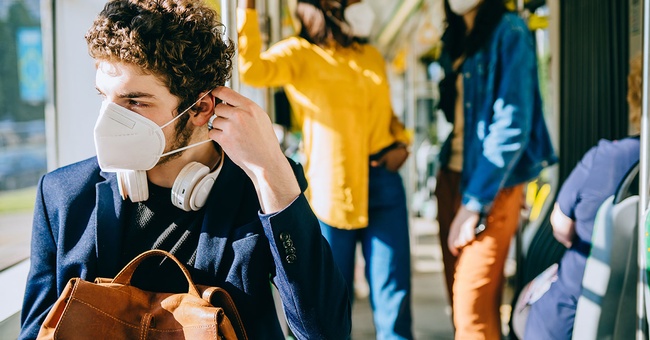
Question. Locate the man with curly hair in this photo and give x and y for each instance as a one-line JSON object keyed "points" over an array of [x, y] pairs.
{"points": [[178, 169]]}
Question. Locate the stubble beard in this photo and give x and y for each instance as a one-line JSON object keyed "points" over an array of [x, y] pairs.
{"points": [[182, 139]]}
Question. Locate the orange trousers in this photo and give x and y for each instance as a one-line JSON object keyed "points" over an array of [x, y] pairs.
{"points": [[475, 278]]}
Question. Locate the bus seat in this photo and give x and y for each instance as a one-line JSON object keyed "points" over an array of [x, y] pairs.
{"points": [[609, 280], [625, 266], [626, 214], [542, 251], [588, 310]]}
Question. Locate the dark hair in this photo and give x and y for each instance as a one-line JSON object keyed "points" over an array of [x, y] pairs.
{"points": [[178, 41], [322, 21], [455, 40]]}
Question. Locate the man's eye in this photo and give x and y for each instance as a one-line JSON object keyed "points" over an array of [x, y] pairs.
{"points": [[136, 103]]}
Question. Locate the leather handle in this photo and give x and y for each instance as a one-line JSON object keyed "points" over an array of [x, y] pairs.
{"points": [[125, 275], [219, 297]]}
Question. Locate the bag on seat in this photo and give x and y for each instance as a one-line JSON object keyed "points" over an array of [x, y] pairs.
{"points": [[114, 309]]}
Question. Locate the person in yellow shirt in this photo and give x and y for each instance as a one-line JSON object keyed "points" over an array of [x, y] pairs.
{"points": [[353, 145]]}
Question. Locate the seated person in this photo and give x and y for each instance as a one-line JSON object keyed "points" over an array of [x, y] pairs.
{"points": [[591, 182], [161, 66]]}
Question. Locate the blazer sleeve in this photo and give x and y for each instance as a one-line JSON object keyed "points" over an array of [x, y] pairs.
{"points": [[313, 291], [40, 292]]}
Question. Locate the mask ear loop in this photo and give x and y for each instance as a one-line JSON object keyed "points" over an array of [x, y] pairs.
{"points": [[178, 116], [182, 113]]}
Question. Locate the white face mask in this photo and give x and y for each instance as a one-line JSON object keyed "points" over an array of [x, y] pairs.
{"points": [[125, 140], [360, 17], [461, 7]]}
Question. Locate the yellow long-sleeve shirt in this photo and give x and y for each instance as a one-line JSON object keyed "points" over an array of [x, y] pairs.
{"points": [[340, 97]]}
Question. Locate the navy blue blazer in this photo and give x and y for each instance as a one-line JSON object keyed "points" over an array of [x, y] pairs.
{"points": [[78, 228]]}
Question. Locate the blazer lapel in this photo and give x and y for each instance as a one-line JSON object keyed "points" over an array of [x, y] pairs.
{"points": [[108, 223], [222, 207]]}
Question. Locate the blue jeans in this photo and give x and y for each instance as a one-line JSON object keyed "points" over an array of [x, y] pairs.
{"points": [[386, 250]]}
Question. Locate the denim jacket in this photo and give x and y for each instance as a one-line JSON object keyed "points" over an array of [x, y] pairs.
{"points": [[505, 141]]}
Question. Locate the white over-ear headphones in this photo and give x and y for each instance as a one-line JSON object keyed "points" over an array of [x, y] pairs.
{"points": [[189, 192], [193, 184], [133, 184]]}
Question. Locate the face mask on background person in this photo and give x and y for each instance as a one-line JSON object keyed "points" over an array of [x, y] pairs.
{"points": [[461, 7], [125, 140], [360, 17]]}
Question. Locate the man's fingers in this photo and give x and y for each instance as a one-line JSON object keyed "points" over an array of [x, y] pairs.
{"points": [[224, 111], [230, 96], [218, 122]]}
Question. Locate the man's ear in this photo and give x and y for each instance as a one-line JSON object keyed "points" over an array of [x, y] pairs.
{"points": [[204, 110]]}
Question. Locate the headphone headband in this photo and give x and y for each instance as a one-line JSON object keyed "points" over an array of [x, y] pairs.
{"points": [[189, 192]]}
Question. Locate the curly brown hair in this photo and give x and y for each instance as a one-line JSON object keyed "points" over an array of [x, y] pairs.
{"points": [[178, 41]]}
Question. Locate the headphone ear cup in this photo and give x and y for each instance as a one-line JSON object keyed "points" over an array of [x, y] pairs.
{"points": [[185, 184], [201, 192], [133, 184], [121, 185]]}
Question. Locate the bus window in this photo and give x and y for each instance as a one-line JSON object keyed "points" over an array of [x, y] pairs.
{"points": [[22, 124]]}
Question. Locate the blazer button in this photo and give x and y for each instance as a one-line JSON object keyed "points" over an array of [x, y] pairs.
{"points": [[288, 243], [290, 250], [284, 236], [291, 258]]}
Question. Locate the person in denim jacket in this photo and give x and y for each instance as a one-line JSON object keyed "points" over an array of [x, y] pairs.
{"points": [[499, 142]]}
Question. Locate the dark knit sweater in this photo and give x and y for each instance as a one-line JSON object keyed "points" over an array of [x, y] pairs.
{"points": [[157, 224]]}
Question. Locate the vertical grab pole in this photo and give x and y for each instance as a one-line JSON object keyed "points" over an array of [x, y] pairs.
{"points": [[275, 13], [229, 20], [268, 18], [274, 17], [641, 328]]}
